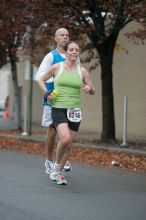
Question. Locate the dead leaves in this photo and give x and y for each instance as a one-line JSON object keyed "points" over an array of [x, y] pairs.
{"points": [[80, 154]]}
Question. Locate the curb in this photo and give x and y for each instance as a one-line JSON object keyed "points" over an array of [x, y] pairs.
{"points": [[124, 150]]}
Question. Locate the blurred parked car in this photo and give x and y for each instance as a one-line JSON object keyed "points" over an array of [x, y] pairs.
{"points": [[2, 105]]}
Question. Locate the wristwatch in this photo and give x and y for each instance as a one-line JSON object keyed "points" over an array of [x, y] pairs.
{"points": [[91, 90]]}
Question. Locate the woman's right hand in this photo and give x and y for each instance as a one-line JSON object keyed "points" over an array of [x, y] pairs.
{"points": [[50, 98]]}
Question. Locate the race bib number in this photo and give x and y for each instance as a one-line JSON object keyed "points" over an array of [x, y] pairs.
{"points": [[74, 114]]}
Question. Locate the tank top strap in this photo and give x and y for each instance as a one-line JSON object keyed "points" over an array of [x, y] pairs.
{"points": [[61, 68], [79, 71]]}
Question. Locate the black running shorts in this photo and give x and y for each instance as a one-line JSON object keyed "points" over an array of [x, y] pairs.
{"points": [[59, 116]]}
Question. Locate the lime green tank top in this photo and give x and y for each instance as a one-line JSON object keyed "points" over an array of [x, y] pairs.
{"points": [[68, 85]]}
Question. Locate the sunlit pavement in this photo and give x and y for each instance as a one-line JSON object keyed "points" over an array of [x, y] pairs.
{"points": [[92, 193]]}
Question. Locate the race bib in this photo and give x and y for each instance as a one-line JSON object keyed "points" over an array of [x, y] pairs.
{"points": [[74, 114]]}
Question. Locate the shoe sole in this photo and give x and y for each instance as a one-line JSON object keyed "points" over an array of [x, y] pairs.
{"points": [[66, 170], [61, 183]]}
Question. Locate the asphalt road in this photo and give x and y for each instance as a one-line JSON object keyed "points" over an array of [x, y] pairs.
{"points": [[92, 193]]}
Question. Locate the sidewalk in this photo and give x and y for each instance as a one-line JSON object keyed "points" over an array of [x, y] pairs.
{"points": [[84, 140]]}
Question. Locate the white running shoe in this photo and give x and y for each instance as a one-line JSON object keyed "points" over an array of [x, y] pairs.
{"points": [[53, 175], [58, 177], [54, 172], [61, 179], [49, 165], [67, 166]]}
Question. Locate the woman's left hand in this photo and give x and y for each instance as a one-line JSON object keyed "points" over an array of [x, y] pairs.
{"points": [[86, 88]]}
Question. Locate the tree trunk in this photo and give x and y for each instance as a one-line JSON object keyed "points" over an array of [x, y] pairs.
{"points": [[17, 99], [105, 52]]}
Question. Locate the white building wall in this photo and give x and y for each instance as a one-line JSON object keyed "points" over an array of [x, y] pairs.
{"points": [[129, 78]]}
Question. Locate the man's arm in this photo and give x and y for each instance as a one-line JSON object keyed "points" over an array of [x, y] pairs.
{"points": [[50, 73], [44, 66]]}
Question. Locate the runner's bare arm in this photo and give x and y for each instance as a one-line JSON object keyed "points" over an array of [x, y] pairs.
{"points": [[88, 86]]}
